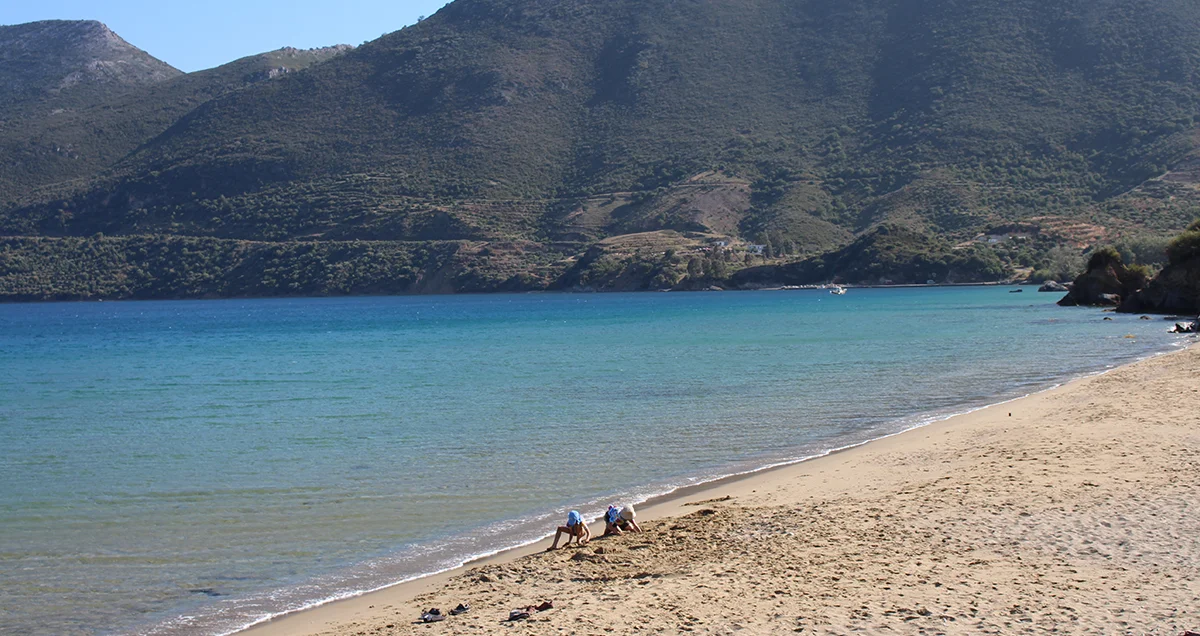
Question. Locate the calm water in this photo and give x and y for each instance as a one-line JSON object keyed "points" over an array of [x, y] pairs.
{"points": [[190, 467]]}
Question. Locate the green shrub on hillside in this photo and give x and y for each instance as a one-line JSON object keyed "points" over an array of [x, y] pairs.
{"points": [[1184, 247], [1146, 249], [1140, 272], [1103, 257], [890, 254], [1060, 263]]}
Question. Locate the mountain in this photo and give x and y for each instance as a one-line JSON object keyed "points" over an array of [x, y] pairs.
{"points": [[59, 64], [120, 100], [548, 144]]}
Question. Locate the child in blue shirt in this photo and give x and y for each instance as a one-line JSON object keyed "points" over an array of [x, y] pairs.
{"points": [[575, 528]]}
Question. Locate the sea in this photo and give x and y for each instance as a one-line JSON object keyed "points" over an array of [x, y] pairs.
{"points": [[195, 467]]}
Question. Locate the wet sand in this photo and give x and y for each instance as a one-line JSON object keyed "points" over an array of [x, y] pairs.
{"points": [[1076, 510]]}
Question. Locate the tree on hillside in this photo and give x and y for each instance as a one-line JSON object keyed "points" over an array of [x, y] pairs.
{"points": [[716, 268]]}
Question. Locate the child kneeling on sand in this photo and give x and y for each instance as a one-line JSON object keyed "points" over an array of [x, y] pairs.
{"points": [[620, 521], [575, 528], [626, 521]]}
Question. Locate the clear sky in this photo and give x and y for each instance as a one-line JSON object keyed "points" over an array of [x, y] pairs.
{"points": [[197, 34]]}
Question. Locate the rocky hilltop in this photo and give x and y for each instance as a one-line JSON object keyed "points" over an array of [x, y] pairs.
{"points": [[58, 135], [63, 63], [622, 144]]}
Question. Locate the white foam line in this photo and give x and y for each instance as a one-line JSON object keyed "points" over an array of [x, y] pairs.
{"points": [[921, 423], [356, 593]]}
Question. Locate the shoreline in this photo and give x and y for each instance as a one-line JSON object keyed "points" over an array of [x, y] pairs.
{"points": [[329, 616], [814, 287]]}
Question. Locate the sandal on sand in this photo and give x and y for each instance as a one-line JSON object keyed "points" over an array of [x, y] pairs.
{"points": [[432, 616], [462, 608], [545, 606], [519, 614]]}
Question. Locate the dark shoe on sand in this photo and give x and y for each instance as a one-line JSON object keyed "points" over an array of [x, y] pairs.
{"points": [[432, 616], [462, 608], [519, 614], [545, 606]]}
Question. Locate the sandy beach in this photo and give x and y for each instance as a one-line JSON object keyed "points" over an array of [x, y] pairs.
{"points": [[1070, 511]]}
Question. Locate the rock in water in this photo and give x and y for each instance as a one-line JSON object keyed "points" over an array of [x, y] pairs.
{"points": [[1186, 327], [1053, 286]]}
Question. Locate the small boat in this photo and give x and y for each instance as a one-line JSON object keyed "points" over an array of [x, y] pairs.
{"points": [[838, 290]]}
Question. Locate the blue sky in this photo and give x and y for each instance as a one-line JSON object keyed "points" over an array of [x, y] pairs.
{"points": [[192, 35]]}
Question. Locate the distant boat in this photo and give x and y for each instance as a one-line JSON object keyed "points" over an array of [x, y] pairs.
{"points": [[1015, 291], [838, 290]]}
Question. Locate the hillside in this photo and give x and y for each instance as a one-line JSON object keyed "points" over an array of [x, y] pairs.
{"points": [[541, 132], [888, 254]]}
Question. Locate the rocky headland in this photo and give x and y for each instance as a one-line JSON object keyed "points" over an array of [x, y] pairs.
{"points": [[1176, 289], [1109, 282]]}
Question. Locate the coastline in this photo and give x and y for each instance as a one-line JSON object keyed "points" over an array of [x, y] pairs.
{"points": [[396, 605], [4, 300]]}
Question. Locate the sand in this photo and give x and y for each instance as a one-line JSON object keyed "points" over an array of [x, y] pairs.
{"points": [[1075, 510]]}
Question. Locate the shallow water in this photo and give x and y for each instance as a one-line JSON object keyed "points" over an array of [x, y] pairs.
{"points": [[191, 467]]}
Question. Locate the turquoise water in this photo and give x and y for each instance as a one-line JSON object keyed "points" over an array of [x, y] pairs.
{"points": [[192, 467]]}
